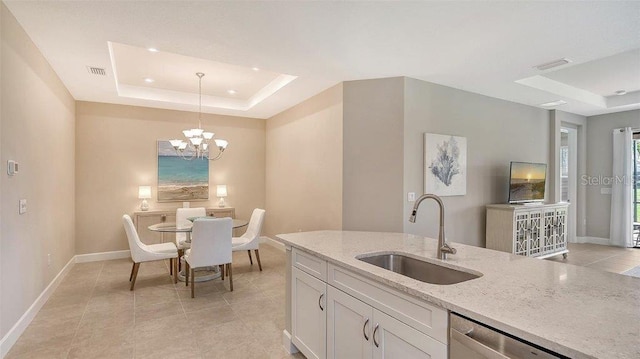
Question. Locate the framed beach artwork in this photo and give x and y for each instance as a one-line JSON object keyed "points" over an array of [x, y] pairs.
{"points": [[180, 179], [445, 165]]}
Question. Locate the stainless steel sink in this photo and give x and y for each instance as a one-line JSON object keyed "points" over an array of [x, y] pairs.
{"points": [[419, 270]]}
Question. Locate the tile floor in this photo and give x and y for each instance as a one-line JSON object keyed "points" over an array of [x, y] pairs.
{"points": [[610, 259], [93, 314]]}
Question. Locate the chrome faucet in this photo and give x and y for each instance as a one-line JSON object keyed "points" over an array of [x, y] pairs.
{"points": [[443, 247]]}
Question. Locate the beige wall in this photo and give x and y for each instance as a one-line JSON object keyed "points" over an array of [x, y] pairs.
{"points": [[373, 151], [37, 130], [497, 132], [116, 152], [599, 159], [304, 166]]}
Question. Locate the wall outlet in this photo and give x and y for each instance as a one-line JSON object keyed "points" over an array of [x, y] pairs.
{"points": [[411, 196], [49, 260], [22, 206]]}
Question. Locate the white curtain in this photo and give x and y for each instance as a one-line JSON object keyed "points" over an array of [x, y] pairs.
{"points": [[621, 232]]}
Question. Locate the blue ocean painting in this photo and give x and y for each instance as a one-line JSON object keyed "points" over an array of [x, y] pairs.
{"points": [[180, 179]]}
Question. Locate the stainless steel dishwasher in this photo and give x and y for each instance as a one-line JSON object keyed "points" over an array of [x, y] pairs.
{"points": [[472, 340]]}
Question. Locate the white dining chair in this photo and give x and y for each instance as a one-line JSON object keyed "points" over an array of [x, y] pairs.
{"points": [[210, 246], [251, 238], [141, 252], [182, 222]]}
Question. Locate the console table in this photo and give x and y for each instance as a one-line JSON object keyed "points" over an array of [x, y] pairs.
{"points": [[537, 231], [143, 219]]}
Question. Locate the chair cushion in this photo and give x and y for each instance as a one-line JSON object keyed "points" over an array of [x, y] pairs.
{"points": [[238, 241], [168, 247]]}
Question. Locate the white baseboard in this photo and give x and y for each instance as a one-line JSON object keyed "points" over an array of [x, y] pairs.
{"points": [[287, 344], [272, 242], [102, 256], [593, 240], [16, 331]]}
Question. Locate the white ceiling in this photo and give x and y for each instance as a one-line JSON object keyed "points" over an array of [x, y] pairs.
{"points": [[480, 47]]}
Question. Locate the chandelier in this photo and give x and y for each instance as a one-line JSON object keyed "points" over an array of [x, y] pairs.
{"points": [[197, 143]]}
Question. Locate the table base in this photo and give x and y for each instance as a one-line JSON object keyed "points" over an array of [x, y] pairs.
{"points": [[202, 274]]}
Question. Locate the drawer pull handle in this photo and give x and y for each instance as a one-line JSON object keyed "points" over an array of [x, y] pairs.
{"points": [[364, 329], [320, 302], [374, 336], [163, 218]]}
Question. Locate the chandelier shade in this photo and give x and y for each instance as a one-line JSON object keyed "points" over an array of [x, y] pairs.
{"points": [[196, 144]]}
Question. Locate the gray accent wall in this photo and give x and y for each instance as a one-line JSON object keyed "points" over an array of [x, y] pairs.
{"points": [[372, 157], [599, 163], [497, 132]]}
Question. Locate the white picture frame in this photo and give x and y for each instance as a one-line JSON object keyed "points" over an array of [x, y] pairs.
{"points": [[445, 165]]}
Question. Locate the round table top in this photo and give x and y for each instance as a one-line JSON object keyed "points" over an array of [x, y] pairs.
{"points": [[171, 226]]}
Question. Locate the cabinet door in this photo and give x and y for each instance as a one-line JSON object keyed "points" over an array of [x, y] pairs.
{"points": [[308, 316], [561, 229], [521, 233], [394, 339], [550, 233], [349, 326], [535, 233]]}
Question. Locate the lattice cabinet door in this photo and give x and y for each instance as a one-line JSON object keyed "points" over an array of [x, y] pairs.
{"points": [[550, 233], [561, 228], [535, 233], [521, 235]]}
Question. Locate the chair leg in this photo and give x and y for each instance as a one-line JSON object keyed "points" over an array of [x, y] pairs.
{"points": [[193, 283], [258, 258], [134, 273], [230, 274], [250, 260], [175, 270], [221, 271], [180, 254], [186, 273], [170, 266], [132, 268]]}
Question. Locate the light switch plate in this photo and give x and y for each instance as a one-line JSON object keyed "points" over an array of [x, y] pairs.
{"points": [[23, 206], [411, 196]]}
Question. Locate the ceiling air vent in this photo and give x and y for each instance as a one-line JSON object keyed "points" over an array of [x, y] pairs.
{"points": [[96, 71], [552, 64]]}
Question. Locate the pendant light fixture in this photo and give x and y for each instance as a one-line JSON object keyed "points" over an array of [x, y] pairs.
{"points": [[197, 143]]}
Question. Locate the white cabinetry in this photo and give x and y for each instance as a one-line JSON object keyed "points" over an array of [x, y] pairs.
{"points": [[308, 318], [363, 319], [357, 330], [536, 231]]}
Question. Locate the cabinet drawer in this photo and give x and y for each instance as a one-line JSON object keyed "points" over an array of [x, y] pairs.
{"points": [[424, 317], [309, 264]]}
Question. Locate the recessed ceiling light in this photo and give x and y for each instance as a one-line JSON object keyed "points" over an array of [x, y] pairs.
{"points": [[152, 49], [255, 68], [148, 80], [232, 92], [621, 92], [552, 64], [554, 103]]}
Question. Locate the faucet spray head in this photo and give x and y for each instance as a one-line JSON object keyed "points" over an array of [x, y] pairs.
{"points": [[412, 218]]}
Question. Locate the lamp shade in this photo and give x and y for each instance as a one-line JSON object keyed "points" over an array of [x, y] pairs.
{"points": [[144, 192], [221, 190]]}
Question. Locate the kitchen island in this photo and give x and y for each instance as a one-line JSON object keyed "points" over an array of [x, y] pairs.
{"points": [[574, 311]]}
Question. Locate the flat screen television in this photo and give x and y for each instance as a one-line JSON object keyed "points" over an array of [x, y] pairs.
{"points": [[526, 182]]}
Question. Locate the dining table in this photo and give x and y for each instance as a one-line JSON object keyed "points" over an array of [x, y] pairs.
{"points": [[201, 274]]}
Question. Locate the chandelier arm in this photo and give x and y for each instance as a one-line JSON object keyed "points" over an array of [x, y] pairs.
{"points": [[220, 152]]}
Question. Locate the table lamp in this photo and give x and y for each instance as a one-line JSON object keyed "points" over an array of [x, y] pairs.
{"points": [[144, 193], [221, 192]]}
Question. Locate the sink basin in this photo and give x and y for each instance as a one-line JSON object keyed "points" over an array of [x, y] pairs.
{"points": [[419, 270]]}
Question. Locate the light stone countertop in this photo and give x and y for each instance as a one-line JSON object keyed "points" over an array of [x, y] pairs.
{"points": [[575, 311]]}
